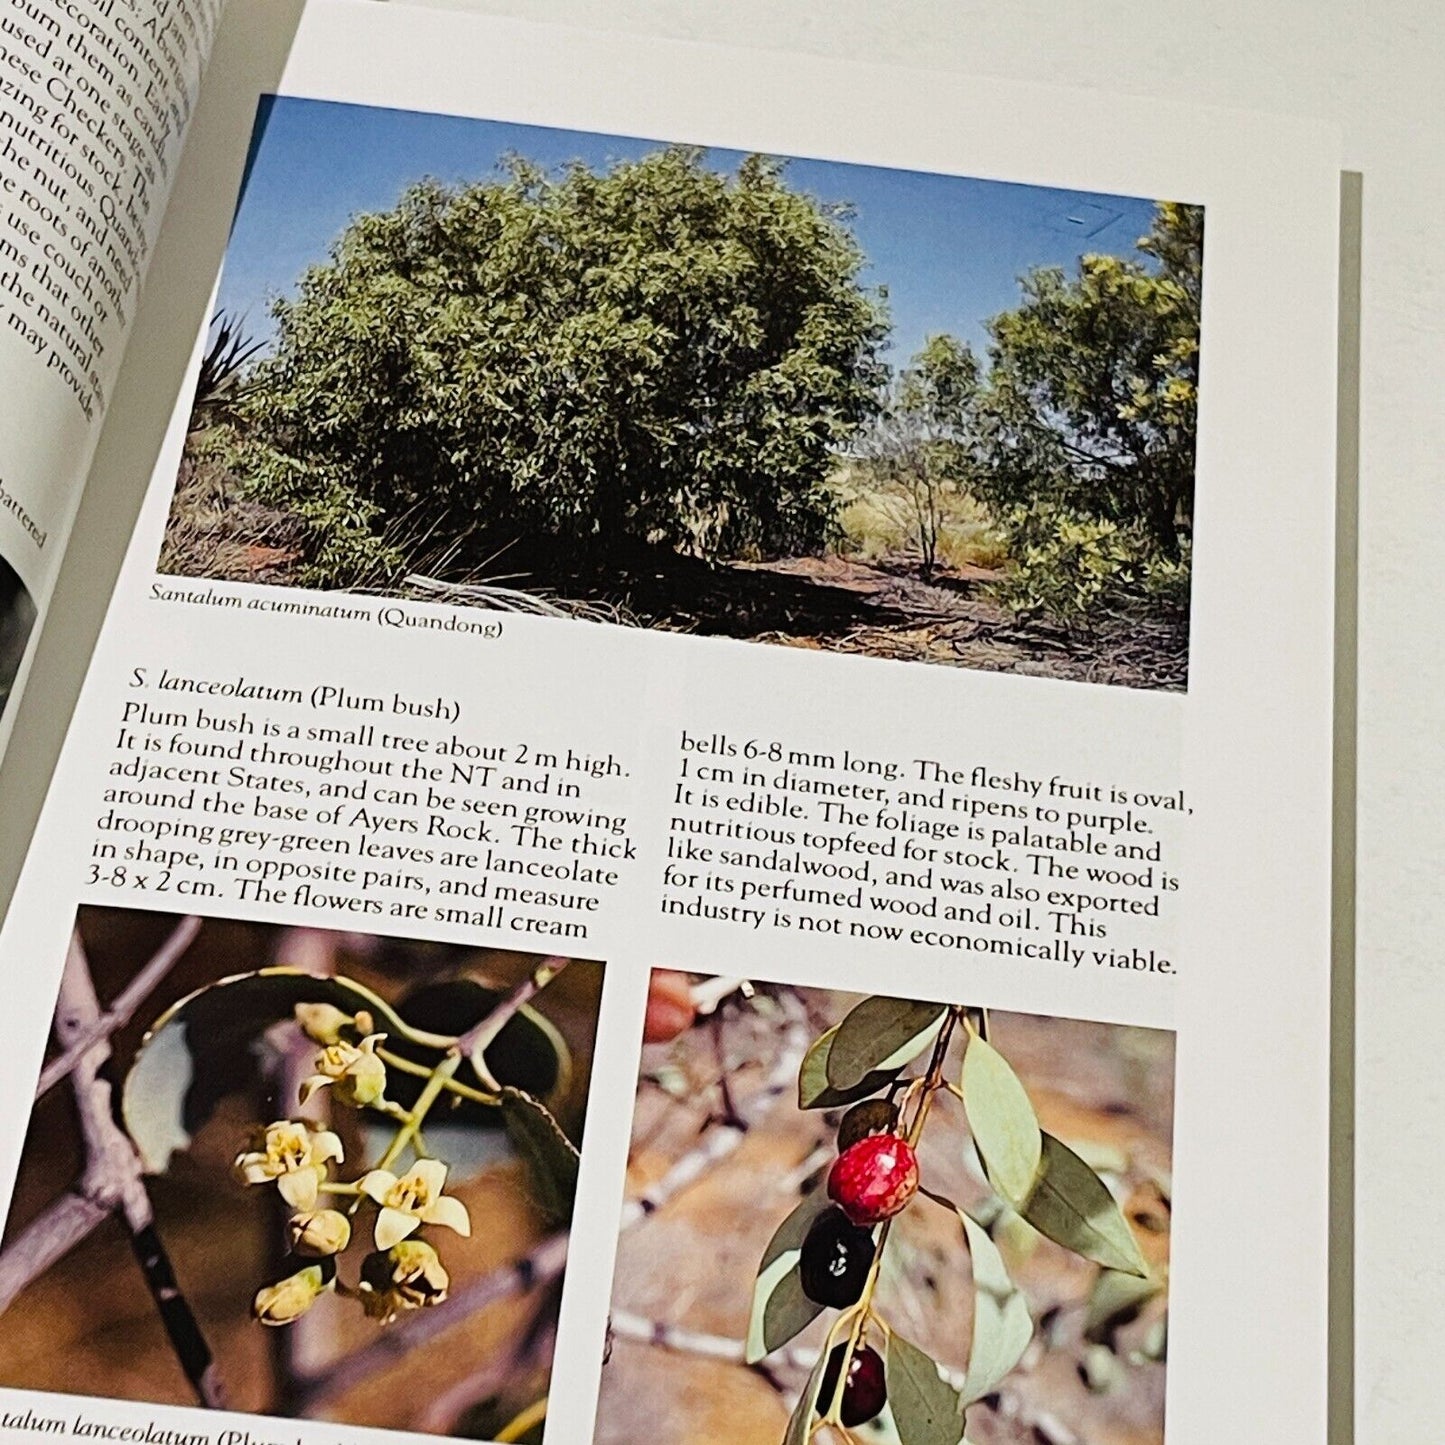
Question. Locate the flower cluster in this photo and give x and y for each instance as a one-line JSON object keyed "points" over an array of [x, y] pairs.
{"points": [[403, 1272]]}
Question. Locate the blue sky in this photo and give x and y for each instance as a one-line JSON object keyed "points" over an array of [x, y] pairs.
{"points": [[949, 249]]}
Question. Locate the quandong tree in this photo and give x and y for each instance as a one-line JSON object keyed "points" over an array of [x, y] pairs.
{"points": [[658, 356]]}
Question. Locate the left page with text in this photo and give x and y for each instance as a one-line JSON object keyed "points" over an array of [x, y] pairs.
{"points": [[94, 103]]}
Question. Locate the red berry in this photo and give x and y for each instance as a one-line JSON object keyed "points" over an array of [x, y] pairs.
{"points": [[874, 1178], [865, 1392], [872, 1116], [670, 1009]]}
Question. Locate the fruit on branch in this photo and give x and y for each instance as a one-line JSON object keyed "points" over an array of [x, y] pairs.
{"points": [[835, 1260], [865, 1392], [872, 1116], [670, 1009], [874, 1178]]}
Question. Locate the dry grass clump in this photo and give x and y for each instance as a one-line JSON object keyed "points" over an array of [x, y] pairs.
{"points": [[216, 531], [879, 521]]}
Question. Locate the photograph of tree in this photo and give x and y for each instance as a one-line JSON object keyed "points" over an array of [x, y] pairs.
{"points": [[885, 1221], [302, 1173], [833, 406]]}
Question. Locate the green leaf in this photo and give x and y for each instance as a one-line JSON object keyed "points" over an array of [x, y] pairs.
{"points": [[788, 1311], [791, 1233], [1002, 1326], [926, 1409], [550, 1155], [780, 1308], [814, 1090], [1005, 1127], [800, 1422], [1115, 1300], [881, 1034], [1073, 1206], [203, 1048]]}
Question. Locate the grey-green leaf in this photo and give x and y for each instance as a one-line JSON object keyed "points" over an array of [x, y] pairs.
{"points": [[814, 1090], [551, 1157], [801, 1421], [1005, 1127], [788, 1312], [203, 1048], [926, 1409], [780, 1308], [1115, 1300], [791, 1233], [881, 1034], [1002, 1326], [1073, 1206]]}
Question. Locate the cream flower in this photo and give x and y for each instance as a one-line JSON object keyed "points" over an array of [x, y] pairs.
{"points": [[319, 1232], [322, 1022], [294, 1154], [290, 1298], [358, 1076], [414, 1199], [409, 1276]]}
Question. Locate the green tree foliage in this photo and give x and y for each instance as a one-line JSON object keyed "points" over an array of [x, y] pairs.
{"points": [[1093, 391], [581, 364]]}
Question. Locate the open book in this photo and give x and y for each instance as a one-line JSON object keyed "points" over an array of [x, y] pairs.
{"points": [[706, 788]]}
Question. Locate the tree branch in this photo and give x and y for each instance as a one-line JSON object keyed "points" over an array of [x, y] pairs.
{"points": [[544, 1262], [474, 1043], [112, 1180], [121, 1011], [725, 1135], [47, 1238]]}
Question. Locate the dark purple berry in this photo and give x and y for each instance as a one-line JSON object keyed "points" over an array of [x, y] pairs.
{"points": [[836, 1257], [864, 1394]]}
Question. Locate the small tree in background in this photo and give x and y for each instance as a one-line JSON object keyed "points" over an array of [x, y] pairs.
{"points": [[923, 441], [584, 365]]}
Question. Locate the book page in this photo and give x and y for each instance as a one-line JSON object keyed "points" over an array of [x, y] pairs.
{"points": [[94, 103], [704, 795]]}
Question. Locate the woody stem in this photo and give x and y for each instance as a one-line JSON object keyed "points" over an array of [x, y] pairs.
{"points": [[931, 1083], [421, 1071]]}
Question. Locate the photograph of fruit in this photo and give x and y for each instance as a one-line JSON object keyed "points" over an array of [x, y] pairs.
{"points": [[300, 1172], [890, 1222], [924, 417]]}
